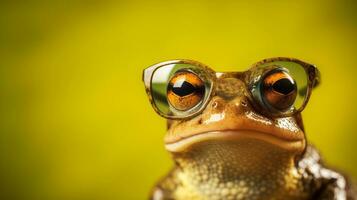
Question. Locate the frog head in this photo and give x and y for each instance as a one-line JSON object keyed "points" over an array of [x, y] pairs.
{"points": [[243, 120]]}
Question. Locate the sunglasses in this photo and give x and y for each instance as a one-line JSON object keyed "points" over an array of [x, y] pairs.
{"points": [[277, 87]]}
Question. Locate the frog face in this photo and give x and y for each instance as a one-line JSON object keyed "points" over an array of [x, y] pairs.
{"points": [[261, 104]]}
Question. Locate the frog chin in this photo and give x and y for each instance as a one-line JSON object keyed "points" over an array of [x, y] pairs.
{"points": [[295, 146]]}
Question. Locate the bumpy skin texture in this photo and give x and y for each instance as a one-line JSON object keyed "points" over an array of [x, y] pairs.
{"points": [[313, 182], [246, 155]]}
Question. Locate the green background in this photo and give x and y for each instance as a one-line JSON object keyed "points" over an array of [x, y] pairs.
{"points": [[75, 122]]}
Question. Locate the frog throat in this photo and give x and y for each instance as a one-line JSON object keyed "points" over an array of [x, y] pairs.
{"points": [[249, 167]]}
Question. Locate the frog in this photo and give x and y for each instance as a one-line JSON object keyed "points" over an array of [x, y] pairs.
{"points": [[240, 135]]}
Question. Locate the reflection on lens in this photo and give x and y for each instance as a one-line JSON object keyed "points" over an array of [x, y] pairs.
{"points": [[179, 89], [283, 86]]}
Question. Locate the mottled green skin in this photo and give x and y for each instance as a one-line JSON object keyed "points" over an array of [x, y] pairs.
{"points": [[245, 168]]}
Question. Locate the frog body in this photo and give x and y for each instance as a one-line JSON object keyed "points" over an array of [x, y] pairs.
{"points": [[233, 150]]}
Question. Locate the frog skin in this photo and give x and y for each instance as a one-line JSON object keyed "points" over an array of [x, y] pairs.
{"points": [[233, 151]]}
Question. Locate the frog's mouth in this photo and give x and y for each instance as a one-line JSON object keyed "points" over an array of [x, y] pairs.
{"points": [[296, 144]]}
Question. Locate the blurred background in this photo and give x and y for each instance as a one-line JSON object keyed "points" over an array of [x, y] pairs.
{"points": [[75, 122]]}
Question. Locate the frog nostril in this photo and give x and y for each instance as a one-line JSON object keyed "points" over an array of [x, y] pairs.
{"points": [[200, 121], [244, 103], [215, 104]]}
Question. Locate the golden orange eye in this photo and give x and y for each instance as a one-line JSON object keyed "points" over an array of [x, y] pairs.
{"points": [[185, 90], [279, 90]]}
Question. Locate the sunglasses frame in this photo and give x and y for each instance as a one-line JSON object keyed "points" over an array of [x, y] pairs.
{"points": [[313, 76]]}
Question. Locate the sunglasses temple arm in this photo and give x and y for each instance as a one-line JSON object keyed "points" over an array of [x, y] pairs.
{"points": [[317, 78]]}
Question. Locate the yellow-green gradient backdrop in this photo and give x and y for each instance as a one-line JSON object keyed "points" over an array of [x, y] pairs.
{"points": [[75, 119]]}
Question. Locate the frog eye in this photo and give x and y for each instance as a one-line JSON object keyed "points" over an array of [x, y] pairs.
{"points": [[185, 90], [279, 90]]}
